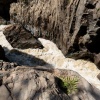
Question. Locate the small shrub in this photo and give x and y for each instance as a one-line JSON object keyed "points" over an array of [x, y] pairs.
{"points": [[69, 84]]}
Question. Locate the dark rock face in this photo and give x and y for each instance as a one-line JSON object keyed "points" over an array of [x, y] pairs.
{"points": [[18, 37], [4, 64], [87, 36], [73, 25], [2, 54], [4, 10]]}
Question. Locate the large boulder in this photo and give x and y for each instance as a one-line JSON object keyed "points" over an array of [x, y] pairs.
{"points": [[20, 38], [24, 83]]}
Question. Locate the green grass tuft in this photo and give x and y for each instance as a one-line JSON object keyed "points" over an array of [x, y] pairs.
{"points": [[69, 84]]}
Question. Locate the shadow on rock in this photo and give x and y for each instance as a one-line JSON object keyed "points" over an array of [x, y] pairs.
{"points": [[25, 59], [2, 54], [5, 10]]}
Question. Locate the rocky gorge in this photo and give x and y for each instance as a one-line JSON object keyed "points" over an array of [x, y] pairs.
{"points": [[42, 41]]}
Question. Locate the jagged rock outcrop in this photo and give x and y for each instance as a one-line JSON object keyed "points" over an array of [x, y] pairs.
{"points": [[51, 57], [20, 38], [14, 36], [43, 19], [22, 83], [73, 25]]}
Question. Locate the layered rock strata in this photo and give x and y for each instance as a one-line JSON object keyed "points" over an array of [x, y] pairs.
{"points": [[74, 25]]}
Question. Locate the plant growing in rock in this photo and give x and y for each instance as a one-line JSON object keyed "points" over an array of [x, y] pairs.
{"points": [[98, 9], [69, 84]]}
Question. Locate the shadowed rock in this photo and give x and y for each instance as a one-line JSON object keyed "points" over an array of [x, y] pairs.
{"points": [[27, 83], [18, 37], [4, 10], [2, 54]]}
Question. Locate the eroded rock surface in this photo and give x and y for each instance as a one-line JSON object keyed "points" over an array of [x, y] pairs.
{"points": [[45, 19], [74, 25], [33, 84], [18, 37]]}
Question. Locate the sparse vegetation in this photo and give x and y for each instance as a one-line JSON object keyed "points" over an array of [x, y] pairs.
{"points": [[69, 84], [98, 9]]}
